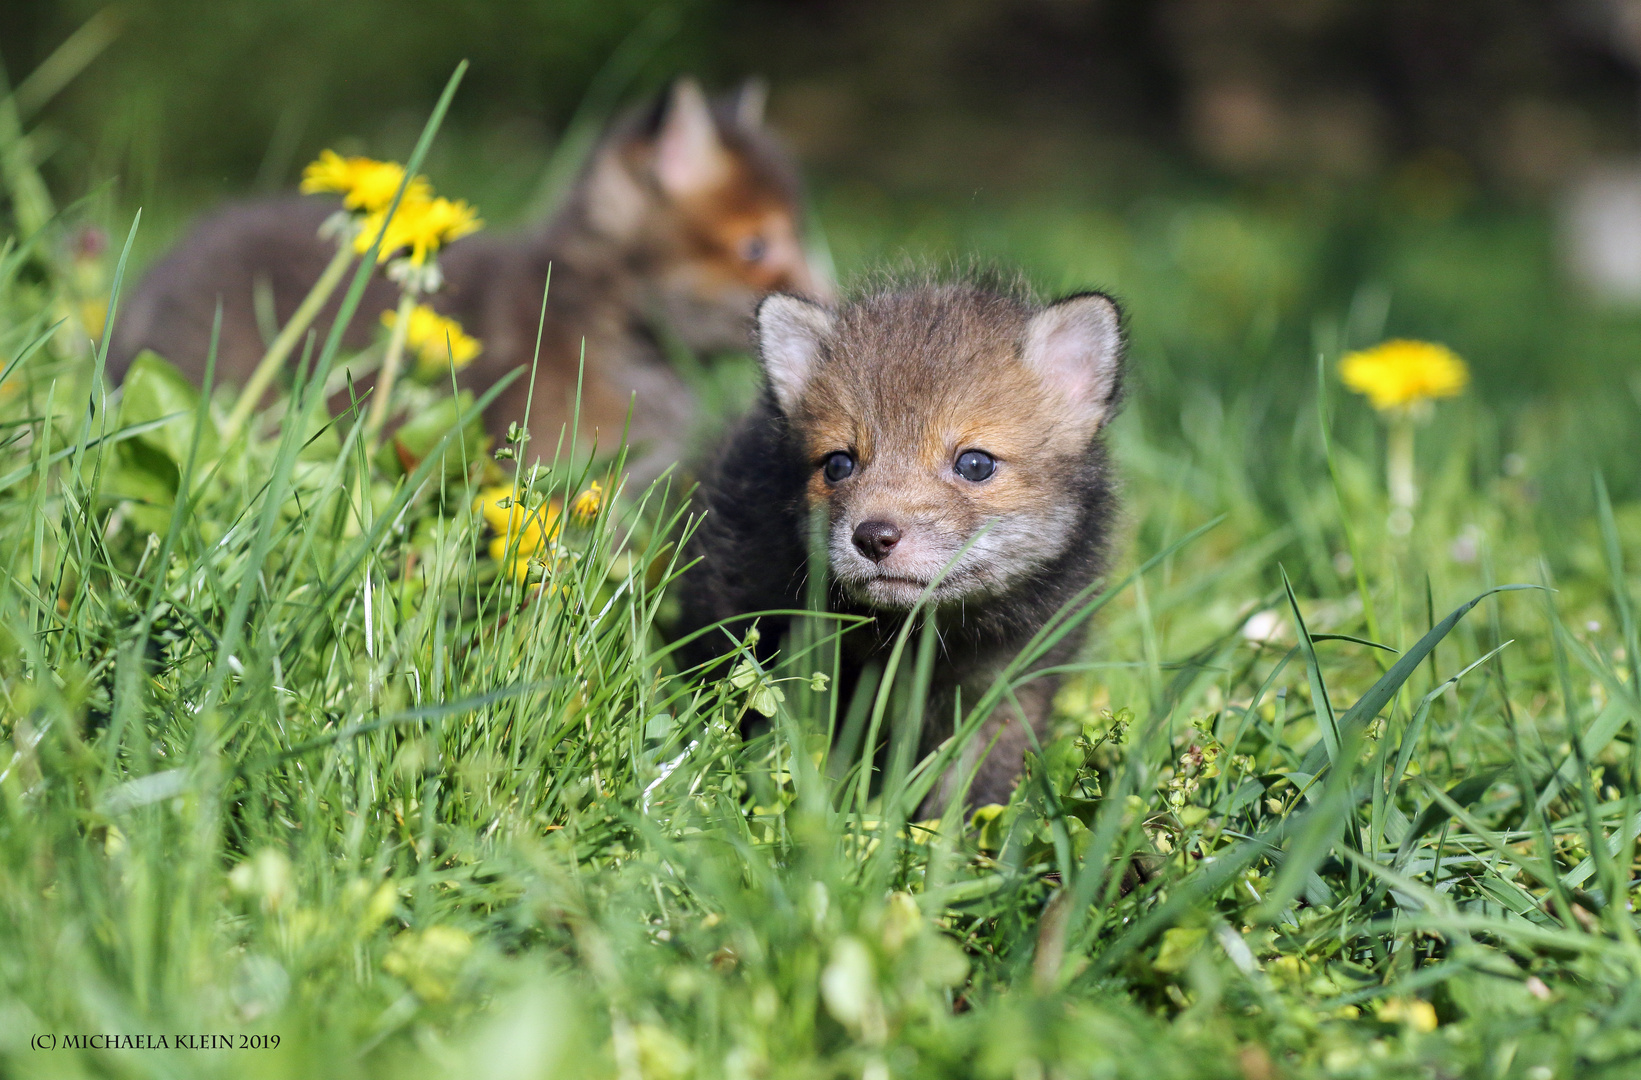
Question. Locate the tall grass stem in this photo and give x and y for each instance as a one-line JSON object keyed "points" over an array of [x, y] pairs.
{"points": [[391, 363], [280, 350], [1404, 489]]}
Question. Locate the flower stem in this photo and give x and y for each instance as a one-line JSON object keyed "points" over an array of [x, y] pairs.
{"points": [[280, 350], [1399, 463], [390, 369]]}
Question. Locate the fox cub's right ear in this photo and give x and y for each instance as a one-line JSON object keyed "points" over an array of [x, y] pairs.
{"points": [[790, 333]]}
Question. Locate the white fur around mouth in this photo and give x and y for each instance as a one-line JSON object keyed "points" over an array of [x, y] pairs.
{"points": [[900, 592], [897, 579], [891, 591], [897, 589]]}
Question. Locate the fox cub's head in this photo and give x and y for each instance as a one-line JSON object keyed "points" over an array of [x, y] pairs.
{"points": [[706, 207], [939, 417]]}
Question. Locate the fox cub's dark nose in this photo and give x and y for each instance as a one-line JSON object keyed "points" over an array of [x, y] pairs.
{"points": [[876, 539]]}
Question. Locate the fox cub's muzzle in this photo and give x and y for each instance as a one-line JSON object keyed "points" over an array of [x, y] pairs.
{"points": [[876, 539]]}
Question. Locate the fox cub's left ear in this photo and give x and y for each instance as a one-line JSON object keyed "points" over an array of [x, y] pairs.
{"points": [[790, 336], [1076, 346], [690, 158]]}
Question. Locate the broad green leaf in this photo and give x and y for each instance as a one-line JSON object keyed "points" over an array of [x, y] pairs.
{"points": [[419, 435], [154, 389], [1178, 946]]}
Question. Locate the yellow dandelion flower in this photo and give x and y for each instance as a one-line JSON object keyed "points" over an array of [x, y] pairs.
{"points": [[520, 532], [365, 184], [94, 316], [436, 340], [517, 567], [587, 503], [430, 961], [1396, 374], [987, 823], [420, 227], [1417, 1013]]}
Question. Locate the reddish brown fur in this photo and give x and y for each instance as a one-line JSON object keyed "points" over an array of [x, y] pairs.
{"points": [[916, 420]]}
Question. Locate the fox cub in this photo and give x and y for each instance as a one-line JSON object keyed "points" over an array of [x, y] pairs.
{"points": [[948, 427], [686, 214]]}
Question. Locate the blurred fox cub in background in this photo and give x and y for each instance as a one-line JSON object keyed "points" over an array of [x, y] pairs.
{"points": [[949, 427], [686, 214]]}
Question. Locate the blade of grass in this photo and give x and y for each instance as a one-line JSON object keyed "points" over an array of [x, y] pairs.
{"points": [[1379, 694]]}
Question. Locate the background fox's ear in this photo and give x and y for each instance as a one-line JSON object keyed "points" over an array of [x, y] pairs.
{"points": [[689, 155], [750, 100], [790, 332], [1076, 346]]}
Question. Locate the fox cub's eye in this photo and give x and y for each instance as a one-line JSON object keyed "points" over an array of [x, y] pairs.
{"points": [[975, 465], [754, 248], [838, 466]]}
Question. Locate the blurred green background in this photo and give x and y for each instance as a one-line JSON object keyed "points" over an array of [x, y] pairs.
{"points": [[1261, 182]]}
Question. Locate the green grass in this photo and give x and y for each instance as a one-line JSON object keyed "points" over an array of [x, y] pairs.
{"points": [[281, 754]]}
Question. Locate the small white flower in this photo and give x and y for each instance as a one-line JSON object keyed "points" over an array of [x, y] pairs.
{"points": [[1466, 547], [848, 985], [1263, 627]]}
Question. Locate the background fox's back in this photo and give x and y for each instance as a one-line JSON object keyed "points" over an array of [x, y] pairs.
{"points": [[684, 215]]}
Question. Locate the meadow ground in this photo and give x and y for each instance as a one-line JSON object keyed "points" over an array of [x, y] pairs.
{"points": [[292, 768]]}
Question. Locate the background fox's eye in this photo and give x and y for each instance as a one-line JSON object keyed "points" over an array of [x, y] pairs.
{"points": [[754, 248], [975, 465], [838, 466]]}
